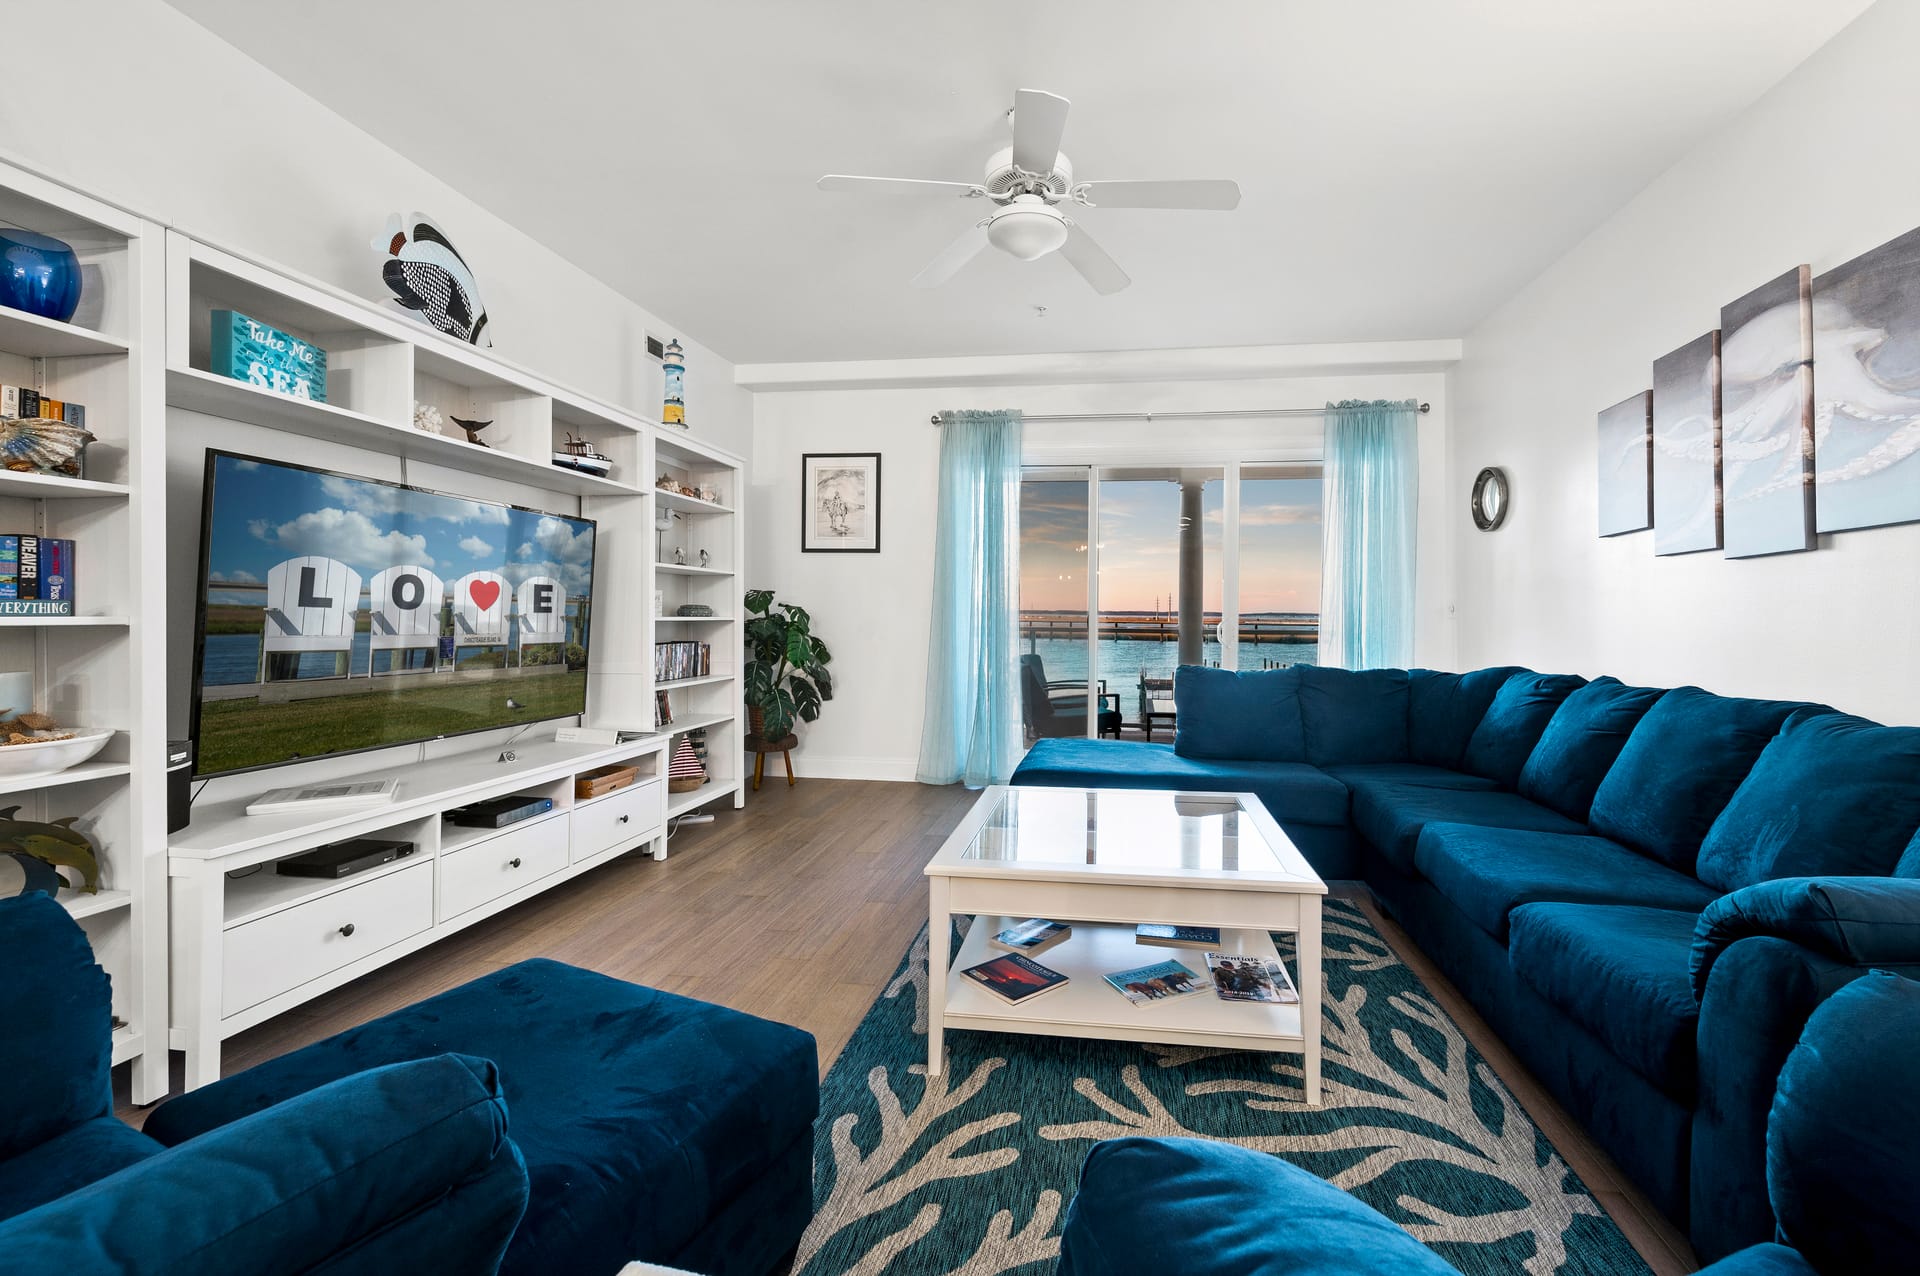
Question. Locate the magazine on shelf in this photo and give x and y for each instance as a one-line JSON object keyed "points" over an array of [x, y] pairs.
{"points": [[1248, 977], [1162, 981], [1033, 936], [1176, 936], [1015, 977]]}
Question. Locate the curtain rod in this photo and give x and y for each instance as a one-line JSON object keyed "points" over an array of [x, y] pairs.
{"points": [[1218, 414]]}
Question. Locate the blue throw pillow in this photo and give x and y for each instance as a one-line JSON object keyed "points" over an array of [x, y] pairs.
{"points": [[1444, 708], [1581, 743], [1353, 715], [1840, 1138], [1520, 711], [1680, 766], [1189, 1207], [1832, 796], [1238, 716]]}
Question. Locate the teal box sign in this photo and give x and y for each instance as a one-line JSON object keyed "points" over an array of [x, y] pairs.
{"points": [[248, 350]]}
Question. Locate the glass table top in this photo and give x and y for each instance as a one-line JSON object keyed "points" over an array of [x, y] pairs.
{"points": [[1121, 830]]}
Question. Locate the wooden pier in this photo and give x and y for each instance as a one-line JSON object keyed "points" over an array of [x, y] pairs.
{"points": [[1133, 627]]}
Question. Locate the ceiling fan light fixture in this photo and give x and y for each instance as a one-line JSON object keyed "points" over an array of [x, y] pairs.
{"points": [[1028, 228]]}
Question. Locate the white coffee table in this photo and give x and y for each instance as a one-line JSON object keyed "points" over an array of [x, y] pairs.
{"points": [[1105, 860]]}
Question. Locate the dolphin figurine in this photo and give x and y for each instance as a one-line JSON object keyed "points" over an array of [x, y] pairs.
{"points": [[52, 841]]}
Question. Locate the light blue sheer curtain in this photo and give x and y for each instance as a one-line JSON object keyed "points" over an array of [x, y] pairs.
{"points": [[971, 733], [1371, 491]]}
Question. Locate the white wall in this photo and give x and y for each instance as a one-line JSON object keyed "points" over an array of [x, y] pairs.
{"points": [[176, 124], [872, 610], [1814, 172]]}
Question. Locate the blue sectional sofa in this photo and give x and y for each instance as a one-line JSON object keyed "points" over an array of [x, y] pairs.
{"points": [[1844, 1196], [1645, 892]]}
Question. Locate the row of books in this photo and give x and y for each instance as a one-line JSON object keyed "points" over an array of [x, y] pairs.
{"points": [[673, 661], [36, 576], [19, 403], [1245, 977]]}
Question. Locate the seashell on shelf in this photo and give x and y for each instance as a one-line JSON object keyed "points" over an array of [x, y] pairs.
{"points": [[38, 446]]}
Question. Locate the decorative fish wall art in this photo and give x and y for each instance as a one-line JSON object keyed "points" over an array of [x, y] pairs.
{"points": [[429, 276]]}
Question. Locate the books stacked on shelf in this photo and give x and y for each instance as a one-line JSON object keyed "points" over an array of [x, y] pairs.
{"points": [[698, 739], [673, 661], [662, 710], [1176, 936], [1014, 977], [1159, 982], [17, 403], [36, 576], [1031, 937], [1241, 977]]}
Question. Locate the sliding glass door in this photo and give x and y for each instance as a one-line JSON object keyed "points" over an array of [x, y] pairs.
{"points": [[1129, 571]]}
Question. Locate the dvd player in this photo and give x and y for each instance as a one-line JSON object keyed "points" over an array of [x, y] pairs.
{"points": [[497, 813], [343, 859]]}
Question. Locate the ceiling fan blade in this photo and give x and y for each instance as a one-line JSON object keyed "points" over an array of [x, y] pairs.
{"points": [[1038, 121], [952, 257], [1219, 195], [860, 185], [1091, 260]]}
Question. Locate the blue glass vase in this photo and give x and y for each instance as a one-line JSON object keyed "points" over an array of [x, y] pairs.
{"points": [[38, 274]]}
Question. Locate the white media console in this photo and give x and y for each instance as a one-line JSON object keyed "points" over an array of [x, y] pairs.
{"points": [[248, 944]]}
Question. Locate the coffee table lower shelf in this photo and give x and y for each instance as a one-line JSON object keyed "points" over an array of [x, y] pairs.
{"points": [[1088, 1006]]}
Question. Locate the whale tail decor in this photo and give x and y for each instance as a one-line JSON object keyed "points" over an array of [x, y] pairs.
{"points": [[428, 276]]}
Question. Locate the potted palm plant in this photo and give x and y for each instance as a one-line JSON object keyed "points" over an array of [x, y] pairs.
{"points": [[786, 667]]}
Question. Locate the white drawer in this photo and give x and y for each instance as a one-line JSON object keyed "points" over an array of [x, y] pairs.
{"points": [[483, 871], [618, 819], [283, 950]]}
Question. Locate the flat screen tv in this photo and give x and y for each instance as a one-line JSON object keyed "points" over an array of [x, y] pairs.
{"points": [[338, 614]]}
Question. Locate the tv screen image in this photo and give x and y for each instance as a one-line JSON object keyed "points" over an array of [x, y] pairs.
{"points": [[338, 614]]}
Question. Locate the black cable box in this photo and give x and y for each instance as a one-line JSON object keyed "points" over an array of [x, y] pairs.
{"points": [[343, 859], [497, 813]]}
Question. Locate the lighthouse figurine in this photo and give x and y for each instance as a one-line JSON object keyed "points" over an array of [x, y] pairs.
{"points": [[673, 363]]}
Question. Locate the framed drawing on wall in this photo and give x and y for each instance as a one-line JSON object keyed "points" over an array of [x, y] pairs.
{"points": [[840, 503]]}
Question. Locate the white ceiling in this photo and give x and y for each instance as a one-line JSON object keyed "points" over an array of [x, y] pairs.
{"points": [[1406, 164]]}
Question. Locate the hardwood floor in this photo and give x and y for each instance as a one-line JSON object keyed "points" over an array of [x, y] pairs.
{"points": [[818, 890]]}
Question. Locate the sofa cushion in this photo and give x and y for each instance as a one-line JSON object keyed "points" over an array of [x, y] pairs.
{"points": [[1520, 711], [1679, 768], [1581, 743], [641, 1114], [56, 1008], [1620, 972], [1489, 872], [1444, 708], [69, 1161], [1252, 716], [1832, 795], [1293, 792], [1841, 1135], [1193, 1207], [1391, 815], [1354, 715], [1413, 774]]}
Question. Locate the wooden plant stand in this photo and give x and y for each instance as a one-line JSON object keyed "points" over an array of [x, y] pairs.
{"points": [[760, 747]]}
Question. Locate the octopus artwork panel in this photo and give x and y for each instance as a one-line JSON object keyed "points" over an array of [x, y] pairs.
{"points": [[1686, 448], [1766, 417], [1866, 389]]}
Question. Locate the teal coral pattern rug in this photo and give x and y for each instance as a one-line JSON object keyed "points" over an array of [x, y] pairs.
{"points": [[970, 1174]]}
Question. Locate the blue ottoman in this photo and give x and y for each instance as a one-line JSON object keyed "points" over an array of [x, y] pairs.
{"points": [[654, 1127]]}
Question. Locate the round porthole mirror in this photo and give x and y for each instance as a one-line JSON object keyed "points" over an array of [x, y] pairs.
{"points": [[1490, 498]]}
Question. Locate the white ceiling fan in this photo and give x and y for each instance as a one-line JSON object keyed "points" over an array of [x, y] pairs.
{"points": [[1026, 183]]}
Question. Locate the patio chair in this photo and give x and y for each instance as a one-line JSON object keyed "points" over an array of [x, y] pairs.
{"points": [[1054, 709]]}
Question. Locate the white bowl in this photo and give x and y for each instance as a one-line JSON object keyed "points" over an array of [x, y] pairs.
{"points": [[49, 757]]}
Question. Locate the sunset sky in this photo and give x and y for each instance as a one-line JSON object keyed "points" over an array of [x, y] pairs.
{"points": [[1140, 544]]}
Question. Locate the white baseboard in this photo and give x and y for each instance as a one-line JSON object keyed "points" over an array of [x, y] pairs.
{"points": [[817, 766]]}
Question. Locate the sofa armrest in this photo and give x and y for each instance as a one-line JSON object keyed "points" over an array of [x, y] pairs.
{"points": [[338, 1168], [1858, 921]]}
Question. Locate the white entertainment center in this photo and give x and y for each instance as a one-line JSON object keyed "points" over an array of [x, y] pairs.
{"points": [[244, 943]]}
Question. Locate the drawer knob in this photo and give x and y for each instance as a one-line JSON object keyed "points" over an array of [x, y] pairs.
{"points": [[623, 819], [347, 930], [514, 862]]}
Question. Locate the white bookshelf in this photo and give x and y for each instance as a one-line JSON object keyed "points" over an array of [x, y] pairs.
{"points": [[711, 703], [104, 667]]}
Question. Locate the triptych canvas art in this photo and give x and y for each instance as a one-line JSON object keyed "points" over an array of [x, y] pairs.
{"points": [[1799, 415]]}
